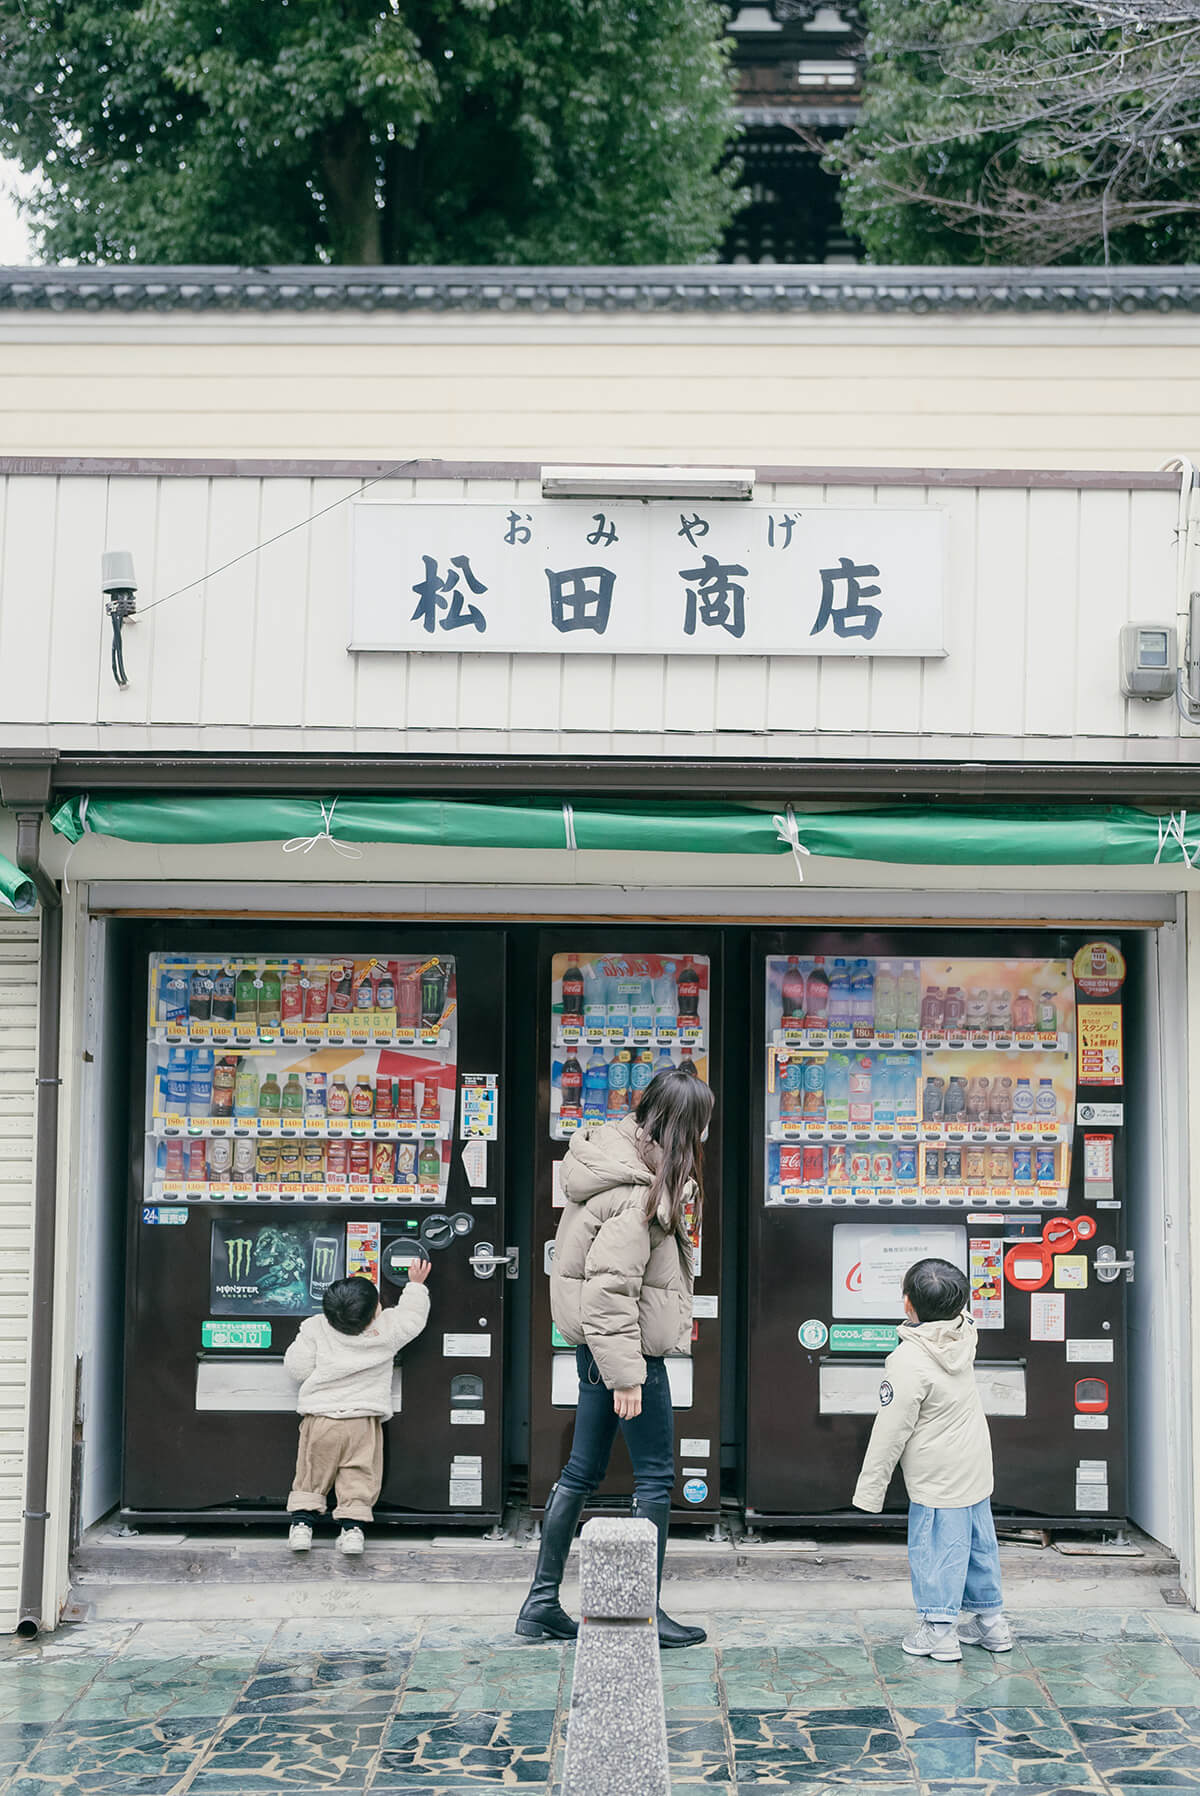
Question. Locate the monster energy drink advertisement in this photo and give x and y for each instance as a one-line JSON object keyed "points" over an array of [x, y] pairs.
{"points": [[273, 1268]]}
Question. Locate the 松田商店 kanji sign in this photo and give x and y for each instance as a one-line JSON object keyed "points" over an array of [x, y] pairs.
{"points": [[556, 577]]}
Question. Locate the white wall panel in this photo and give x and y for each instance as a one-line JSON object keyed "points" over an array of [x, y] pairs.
{"points": [[1039, 581], [18, 1043]]}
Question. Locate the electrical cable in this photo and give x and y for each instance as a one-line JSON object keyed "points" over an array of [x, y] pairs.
{"points": [[278, 537]]}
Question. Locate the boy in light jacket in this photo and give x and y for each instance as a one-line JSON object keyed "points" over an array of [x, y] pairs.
{"points": [[931, 1420]]}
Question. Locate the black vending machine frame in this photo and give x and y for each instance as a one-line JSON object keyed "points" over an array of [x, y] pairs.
{"points": [[550, 1428], [785, 1431], [181, 1465]]}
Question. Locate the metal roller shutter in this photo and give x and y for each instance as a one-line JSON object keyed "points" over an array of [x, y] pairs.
{"points": [[19, 945]]}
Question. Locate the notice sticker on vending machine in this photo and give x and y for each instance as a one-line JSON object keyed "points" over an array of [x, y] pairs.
{"points": [[362, 1250], [986, 1273]]}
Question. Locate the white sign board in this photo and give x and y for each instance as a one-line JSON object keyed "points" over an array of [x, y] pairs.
{"points": [[870, 1260], [690, 578]]}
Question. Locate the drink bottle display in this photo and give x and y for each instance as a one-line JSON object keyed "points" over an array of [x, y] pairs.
{"points": [[224, 995], [908, 997], [431, 1105], [224, 1085], [618, 1084], [291, 996], [1023, 1102], [1045, 1103], [200, 1083], [814, 1091], [794, 993], [791, 1088], [1023, 1012], [595, 1002], [245, 998], [291, 1102], [887, 999], [571, 1088], [641, 1007], [1000, 1102], [906, 1074], [978, 1008], [200, 992], [883, 1094], [341, 988], [362, 1098], [862, 997], [840, 1012], [619, 1018], [316, 993], [955, 1103], [640, 1073], [174, 989], [245, 1091], [595, 1088], [977, 1101], [665, 1061], [1000, 1014], [269, 998], [816, 994], [408, 1001], [1047, 1013], [269, 1096], [933, 1009], [687, 987], [572, 995], [406, 1101], [429, 1166], [339, 1096], [385, 1108], [316, 1086], [687, 1062], [934, 1100], [666, 1007], [860, 1089], [433, 995], [385, 995], [955, 1011], [179, 1082], [837, 1089]]}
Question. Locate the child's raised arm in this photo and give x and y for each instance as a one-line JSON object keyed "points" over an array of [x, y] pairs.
{"points": [[901, 1393], [301, 1356]]}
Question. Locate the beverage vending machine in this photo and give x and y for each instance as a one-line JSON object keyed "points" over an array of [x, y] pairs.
{"points": [[311, 1106], [616, 1006], [957, 1095]]}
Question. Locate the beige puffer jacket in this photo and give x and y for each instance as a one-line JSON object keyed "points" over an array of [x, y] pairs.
{"points": [[930, 1419], [619, 1285]]}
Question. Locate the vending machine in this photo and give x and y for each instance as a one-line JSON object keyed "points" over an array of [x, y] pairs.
{"points": [[616, 1006], [313, 1106], [952, 1095]]}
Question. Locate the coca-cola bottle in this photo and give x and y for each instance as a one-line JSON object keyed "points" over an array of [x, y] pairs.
{"points": [[816, 995], [687, 988], [571, 1086], [572, 995], [793, 993]]}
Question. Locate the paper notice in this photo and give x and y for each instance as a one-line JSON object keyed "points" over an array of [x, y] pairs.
{"points": [[1047, 1316], [480, 1102], [474, 1159]]}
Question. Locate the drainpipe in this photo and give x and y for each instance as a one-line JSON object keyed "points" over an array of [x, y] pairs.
{"points": [[45, 1189]]}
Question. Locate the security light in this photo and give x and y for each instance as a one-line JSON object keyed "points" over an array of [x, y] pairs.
{"points": [[648, 483]]}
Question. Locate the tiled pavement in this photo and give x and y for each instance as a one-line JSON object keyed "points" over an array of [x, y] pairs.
{"points": [[1090, 1701]]}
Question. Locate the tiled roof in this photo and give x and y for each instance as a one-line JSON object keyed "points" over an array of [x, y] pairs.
{"points": [[769, 289]]}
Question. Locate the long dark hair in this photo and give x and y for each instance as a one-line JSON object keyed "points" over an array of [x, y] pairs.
{"points": [[674, 1112]]}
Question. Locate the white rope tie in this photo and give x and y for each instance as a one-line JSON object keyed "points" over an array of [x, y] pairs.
{"points": [[305, 843], [1174, 828], [569, 825], [788, 830], [83, 829]]}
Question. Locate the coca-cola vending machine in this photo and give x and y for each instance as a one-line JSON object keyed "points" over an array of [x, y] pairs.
{"points": [[615, 1006], [313, 1104], [957, 1094]]}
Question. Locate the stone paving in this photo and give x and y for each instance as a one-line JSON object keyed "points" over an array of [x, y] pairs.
{"points": [[1094, 1701]]}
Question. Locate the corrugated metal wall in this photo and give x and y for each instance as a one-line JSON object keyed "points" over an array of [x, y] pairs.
{"points": [[18, 1046], [1040, 580]]}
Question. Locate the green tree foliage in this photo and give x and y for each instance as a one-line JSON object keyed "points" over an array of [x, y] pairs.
{"points": [[1028, 131], [461, 131]]}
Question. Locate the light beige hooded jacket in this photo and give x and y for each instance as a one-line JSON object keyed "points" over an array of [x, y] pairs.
{"points": [[931, 1420], [618, 1284]]}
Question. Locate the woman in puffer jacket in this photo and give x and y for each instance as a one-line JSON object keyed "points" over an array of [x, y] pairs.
{"points": [[621, 1294]]}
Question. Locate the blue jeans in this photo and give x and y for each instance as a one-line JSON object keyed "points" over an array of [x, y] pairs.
{"points": [[649, 1437], [954, 1561]]}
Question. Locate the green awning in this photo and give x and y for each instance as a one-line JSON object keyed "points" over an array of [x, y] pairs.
{"points": [[994, 835], [16, 892]]}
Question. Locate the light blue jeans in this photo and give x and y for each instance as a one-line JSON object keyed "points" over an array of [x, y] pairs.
{"points": [[954, 1561]]}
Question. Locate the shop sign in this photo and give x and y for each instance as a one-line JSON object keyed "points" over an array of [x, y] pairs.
{"points": [[647, 578], [235, 1334], [861, 1337]]}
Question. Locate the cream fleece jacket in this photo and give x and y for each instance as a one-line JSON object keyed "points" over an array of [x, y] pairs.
{"points": [[931, 1420], [618, 1284], [351, 1375]]}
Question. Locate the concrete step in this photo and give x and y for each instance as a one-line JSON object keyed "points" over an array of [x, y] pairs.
{"points": [[110, 1560]]}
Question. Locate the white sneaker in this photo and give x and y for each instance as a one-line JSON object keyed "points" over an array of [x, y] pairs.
{"points": [[352, 1542], [990, 1631], [933, 1640], [300, 1537]]}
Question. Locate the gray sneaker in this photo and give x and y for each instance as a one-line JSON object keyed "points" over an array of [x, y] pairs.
{"points": [[933, 1640], [989, 1631]]}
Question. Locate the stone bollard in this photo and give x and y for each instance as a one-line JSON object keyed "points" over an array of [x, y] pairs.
{"points": [[617, 1726]]}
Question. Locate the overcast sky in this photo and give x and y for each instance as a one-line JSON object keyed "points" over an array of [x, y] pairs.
{"points": [[14, 239]]}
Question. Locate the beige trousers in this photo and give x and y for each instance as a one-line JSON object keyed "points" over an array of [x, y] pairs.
{"points": [[346, 1451]]}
